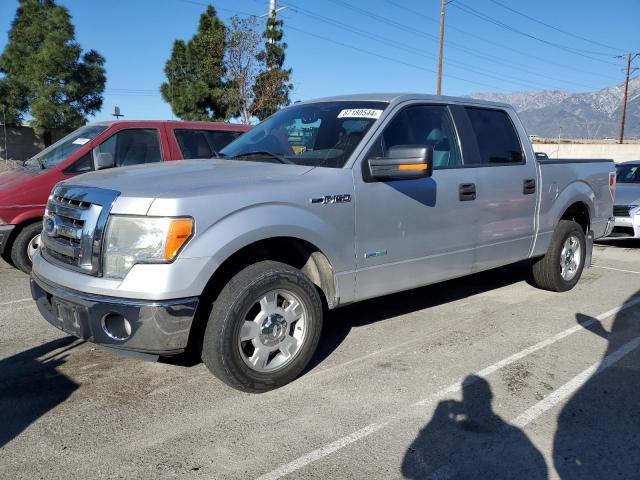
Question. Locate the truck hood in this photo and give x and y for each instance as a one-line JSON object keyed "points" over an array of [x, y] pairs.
{"points": [[627, 194], [186, 178]]}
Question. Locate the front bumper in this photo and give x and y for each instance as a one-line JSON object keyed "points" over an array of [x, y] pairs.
{"points": [[626, 227], [5, 233], [156, 327]]}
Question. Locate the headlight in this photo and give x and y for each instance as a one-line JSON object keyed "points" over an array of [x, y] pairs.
{"points": [[131, 240], [2, 222]]}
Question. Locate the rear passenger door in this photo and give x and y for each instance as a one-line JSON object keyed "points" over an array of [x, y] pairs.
{"points": [[505, 186]]}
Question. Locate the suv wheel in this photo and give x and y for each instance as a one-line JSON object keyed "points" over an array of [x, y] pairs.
{"points": [[561, 267], [264, 327], [25, 246]]}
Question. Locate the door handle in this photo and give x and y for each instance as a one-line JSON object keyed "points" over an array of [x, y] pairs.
{"points": [[529, 186], [467, 192]]}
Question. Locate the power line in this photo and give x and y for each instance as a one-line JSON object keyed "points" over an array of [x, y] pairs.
{"points": [[553, 27], [411, 49], [505, 47], [395, 60], [472, 11]]}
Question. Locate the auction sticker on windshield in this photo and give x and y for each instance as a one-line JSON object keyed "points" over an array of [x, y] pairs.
{"points": [[81, 141], [360, 113]]}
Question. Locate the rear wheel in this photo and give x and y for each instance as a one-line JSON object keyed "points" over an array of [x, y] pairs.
{"points": [[264, 327], [560, 269], [25, 246]]}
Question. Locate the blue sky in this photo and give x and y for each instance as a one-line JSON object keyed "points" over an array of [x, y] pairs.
{"points": [[349, 46]]}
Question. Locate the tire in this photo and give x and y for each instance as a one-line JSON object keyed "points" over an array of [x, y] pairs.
{"points": [[20, 248], [260, 304], [548, 270]]}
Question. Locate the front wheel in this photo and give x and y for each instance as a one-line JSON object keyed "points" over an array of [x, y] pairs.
{"points": [[561, 267], [25, 246], [264, 327]]}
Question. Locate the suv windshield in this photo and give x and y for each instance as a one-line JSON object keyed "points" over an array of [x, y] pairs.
{"points": [[628, 173], [53, 155], [322, 134]]}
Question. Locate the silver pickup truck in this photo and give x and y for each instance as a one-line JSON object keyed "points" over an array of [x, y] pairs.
{"points": [[325, 203]]}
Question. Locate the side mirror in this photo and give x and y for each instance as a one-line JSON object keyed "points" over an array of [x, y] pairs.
{"points": [[104, 160], [403, 162]]}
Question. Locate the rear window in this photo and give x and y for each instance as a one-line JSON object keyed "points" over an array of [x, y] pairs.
{"points": [[496, 137], [628, 173], [203, 143]]}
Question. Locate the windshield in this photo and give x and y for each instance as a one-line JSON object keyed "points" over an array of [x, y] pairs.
{"points": [[628, 174], [52, 156], [322, 134]]}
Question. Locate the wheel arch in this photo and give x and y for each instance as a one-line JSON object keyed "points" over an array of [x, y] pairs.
{"points": [[293, 251], [578, 212], [24, 223]]}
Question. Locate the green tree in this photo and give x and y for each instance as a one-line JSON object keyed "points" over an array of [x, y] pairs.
{"points": [[194, 87], [272, 85], [44, 73]]}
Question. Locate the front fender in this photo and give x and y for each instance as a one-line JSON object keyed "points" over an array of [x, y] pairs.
{"points": [[269, 220], [30, 214]]}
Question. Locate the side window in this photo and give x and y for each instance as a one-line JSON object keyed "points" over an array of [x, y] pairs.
{"points": [[194, 143], [133, 146], [422, 125], [82, 165], [495, 135], [219, 140]]}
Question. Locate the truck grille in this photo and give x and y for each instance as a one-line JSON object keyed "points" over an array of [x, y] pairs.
{"points": [[73, 227], [621, 210]]}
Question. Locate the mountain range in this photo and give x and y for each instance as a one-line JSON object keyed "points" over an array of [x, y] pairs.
{"points": [[549, 113]]}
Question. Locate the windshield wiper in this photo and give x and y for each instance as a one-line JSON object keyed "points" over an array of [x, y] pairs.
{"points": [[264, 154]]}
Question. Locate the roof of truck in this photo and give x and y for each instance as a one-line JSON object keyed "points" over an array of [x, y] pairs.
{"points": [[402, 97], [235, 127]]}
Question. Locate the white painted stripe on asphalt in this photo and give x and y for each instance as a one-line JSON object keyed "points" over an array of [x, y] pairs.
{"points": [[321, 452], [574, 384], [616, 269], [13, 302], [332, 447]]}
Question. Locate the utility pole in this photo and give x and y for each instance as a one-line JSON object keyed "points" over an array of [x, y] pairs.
{"points": [[630, 58], [442, 11]]}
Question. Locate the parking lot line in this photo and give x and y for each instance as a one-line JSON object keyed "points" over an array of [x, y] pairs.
{"points": [[342, 442], [574, 384], [616, 269], [13, 302]]}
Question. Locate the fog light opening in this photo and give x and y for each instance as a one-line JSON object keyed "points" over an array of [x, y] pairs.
{"points": [[116, 326]]}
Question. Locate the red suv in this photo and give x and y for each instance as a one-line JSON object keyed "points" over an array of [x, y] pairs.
{"points": [[24, 192]]}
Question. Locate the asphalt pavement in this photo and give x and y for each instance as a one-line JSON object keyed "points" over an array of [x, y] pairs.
{"points": [[481, 377]]}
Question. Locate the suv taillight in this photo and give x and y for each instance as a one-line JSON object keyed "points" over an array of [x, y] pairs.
{"points": [[612, 185]]}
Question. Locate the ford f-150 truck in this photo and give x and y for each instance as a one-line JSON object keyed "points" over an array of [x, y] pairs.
{"points": [[325, 203], [24, 191]]}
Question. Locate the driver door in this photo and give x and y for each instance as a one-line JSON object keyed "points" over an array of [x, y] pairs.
{"points": [[415, 232]]}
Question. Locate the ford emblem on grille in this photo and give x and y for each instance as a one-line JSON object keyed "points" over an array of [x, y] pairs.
{"points": [[50, 227]]}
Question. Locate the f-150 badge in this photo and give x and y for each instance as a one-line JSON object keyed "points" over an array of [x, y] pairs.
{"points": [[327, 199]]}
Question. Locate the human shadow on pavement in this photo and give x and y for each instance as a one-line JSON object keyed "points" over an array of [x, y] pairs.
{"points": [[465, 440], [31, 385], [598, 432]]}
